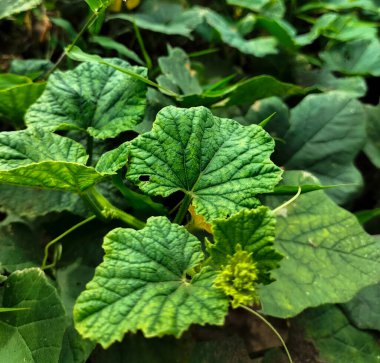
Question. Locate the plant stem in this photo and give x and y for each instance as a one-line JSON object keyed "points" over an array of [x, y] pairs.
{"points": [[105, 210], [55, 240], [183, 209], [255, 313], [290, 201], [148, 61], [89, 148], [89, 22]]}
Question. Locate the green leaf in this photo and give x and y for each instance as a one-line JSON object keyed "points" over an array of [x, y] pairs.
{"points": [[262, 109], [280, 29], [9, 7], [94, 98], [217, 162], [33, 158], [163, 17], [228, 31], [338, 5], [337, 340], [31, 203], [365, 216], [97, 5], [326, 81], [30, 67], [372, 147], [33, 335], [19, 248], [270, 8], [244, 92], [364, 310], [109, 43], [75, 349], [15, 101], [254, 231], [339, 27], [176, 73], [325, 249], [357, 57], [113, 160], [243, 253], [156, 297], [9, 80], [316, 124]]}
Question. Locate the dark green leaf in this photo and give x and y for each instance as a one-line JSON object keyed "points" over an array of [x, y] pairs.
{"points": [[325, 248], [33, 335], [219, 163], [94, 98]]}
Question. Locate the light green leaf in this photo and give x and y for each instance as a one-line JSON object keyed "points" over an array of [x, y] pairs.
{"points": [[328, 256], [19, 248], [339, 27], [254, 231], [15, 101], [217, 162], [336, 339], [338, 5], [163, 17], [270, 8], [357, 57], [311, 141], [155, 296], [176, 73], [33, 335], [94, 98], [9, 80], [9, 7], [228, 31], [33, 158], [364, 310], [113, 160], [97, 5], [109, 43], [372, 147], [365, 216]]}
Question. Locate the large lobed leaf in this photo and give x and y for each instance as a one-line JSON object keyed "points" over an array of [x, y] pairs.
{"points": [[328, 256], [326, 132], [336, 339], [143, 285], [32, 335], [94, 98], [217, 162]]}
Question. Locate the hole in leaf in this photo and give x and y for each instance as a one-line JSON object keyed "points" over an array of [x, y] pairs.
{"points": [[144, 178]]}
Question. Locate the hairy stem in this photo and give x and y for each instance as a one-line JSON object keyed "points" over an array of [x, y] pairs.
{"points": [[57, 239], [255, 313]]}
